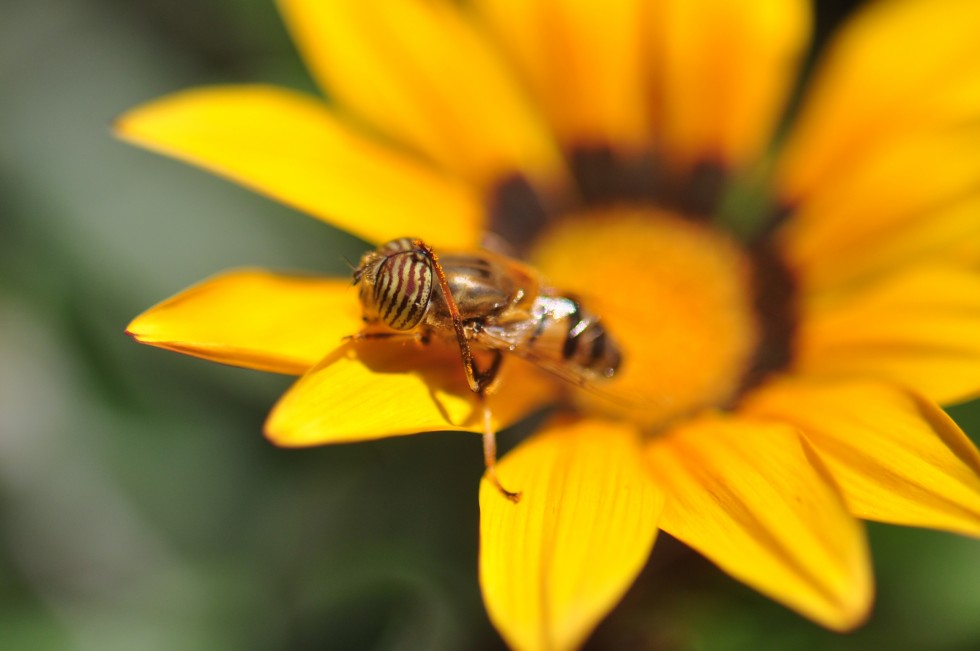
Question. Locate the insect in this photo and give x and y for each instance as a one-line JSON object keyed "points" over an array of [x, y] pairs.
{"points": [[485, 302]]}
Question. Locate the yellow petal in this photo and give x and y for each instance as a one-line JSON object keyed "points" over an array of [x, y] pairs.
{"points": [[552, 565], [255, 319], [422, 74], [842, 231], [896, 457], [831, 256], [967, 252], [584, 62], [725, 69], [375, 389], [752, 497], [290, 147], [918, 330], [899, 67]]}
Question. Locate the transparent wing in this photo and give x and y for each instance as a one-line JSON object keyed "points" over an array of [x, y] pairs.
{"points": [[568, 374]]}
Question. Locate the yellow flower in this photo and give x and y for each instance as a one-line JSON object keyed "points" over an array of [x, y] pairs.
{"points": [[782, 365]]}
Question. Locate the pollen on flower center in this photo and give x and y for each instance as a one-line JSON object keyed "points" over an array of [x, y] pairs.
{"points": [[677, 294]]}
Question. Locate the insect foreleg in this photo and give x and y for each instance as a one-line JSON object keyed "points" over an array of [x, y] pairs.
{"points": [[469, 363], [478, 380]]}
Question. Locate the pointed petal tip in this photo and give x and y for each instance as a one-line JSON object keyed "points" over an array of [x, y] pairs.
{"points": [[848, 609], [853, 615], [135, 330], [277, 437], [113, 125], [139, 337], [120, 124]]}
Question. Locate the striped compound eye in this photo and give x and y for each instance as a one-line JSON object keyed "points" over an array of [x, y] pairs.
{"points": [[403, 285]]}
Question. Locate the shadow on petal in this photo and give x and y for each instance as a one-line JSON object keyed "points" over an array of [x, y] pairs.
{"points": [[374, 389]]}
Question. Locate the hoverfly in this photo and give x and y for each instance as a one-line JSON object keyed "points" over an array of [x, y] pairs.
{"points": [[486, 302]]}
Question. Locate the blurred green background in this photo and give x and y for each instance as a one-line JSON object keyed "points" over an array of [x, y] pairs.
{"points": [[140, 507]]}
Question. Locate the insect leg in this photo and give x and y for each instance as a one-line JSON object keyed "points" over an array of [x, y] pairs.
{"points": [[469, 363], [478, 381], [419, 336], [485, 379], [490, 453]]}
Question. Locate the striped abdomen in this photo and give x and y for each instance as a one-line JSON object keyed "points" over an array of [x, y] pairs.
{"points": [[585, 342], [561, 334]]}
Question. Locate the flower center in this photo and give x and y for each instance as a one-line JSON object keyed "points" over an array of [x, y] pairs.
{"points": [[679, 296]]}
